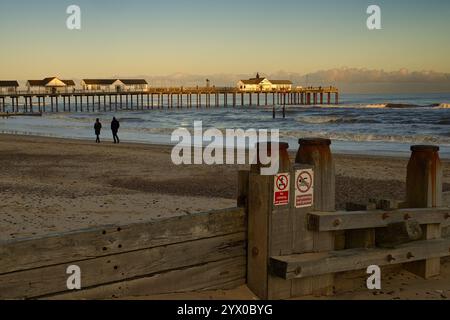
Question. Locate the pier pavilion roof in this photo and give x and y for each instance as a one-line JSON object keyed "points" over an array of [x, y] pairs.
{"points": [[280, 81], [9, 83], [133, 81], [50, 82], [253, 81], [69, 82], [102, 82]]}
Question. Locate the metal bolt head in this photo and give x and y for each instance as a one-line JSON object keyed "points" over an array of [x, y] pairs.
{"points": [[255, 251]]}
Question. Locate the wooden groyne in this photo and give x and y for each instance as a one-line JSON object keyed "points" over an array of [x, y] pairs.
{"points": [[158, 98], [284, 239]]}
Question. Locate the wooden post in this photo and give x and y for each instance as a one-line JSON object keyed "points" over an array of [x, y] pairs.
{"points": [[424, 190], [269, 229], [316, 153]]}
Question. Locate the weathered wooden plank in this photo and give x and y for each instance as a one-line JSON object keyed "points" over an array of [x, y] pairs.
{"points": [[118, 267], [335, 221], [258, 230], [430, 267], [313, 264], [207, 276], [73, 246], [242, 197]]}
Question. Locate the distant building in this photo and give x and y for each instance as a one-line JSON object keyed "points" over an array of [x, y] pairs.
{"points": [[114, 85], [134, 84], [50, 85], [104, 85], [264, 84], [8, 86]]}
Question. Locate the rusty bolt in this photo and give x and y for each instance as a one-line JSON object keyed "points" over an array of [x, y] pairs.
{"points": [[298, 271], [407, 216], [410, 255], [337, 222], [390, 258], [385, 215], [255, 251]]}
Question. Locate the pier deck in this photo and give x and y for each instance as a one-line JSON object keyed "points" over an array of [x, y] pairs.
{"points": [[178, 97]]}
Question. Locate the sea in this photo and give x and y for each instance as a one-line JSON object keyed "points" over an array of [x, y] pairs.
{"points": [[366, 124]]}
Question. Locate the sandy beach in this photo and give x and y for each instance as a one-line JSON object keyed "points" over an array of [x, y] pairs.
{"points": [[52, 185]]}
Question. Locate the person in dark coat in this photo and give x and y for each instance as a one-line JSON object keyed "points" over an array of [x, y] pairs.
{"points": [[115, 125], [98, 129]]}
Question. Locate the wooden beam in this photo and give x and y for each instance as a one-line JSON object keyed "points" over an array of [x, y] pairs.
{"points": [[343, 220], [313, 264], [223, 274], [71, 246], [118, 267]]}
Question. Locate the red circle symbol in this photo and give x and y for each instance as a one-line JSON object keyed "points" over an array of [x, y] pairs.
{"points": [[282, 182], [304, 182]]}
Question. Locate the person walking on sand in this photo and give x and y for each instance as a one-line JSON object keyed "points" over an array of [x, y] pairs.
{"points": [[115, 125], [98, 129]]}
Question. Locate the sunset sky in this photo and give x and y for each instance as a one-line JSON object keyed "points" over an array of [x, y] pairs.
{"points": [[142, 37]]}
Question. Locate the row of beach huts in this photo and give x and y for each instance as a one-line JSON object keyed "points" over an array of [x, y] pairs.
{"points": [[55, 85]]}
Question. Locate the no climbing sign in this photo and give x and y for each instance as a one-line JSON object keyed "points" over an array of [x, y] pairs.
{"points": [[304, 188], [281, 189]]}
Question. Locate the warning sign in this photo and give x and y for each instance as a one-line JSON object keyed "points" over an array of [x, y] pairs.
{"points": [[281, 189], [304, 188]]}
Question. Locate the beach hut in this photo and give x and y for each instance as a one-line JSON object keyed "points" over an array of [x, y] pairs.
{"points": [[102, 85], [51, 85], [263, 84], [134, 84], [8, 86]]}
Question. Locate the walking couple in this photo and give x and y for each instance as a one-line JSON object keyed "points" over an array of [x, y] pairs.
{"points": [[115, 125]]}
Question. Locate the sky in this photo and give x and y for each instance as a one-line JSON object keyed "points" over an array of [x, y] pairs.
{"points": [[210, 37]]}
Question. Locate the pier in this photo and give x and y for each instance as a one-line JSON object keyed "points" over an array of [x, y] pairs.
{"points": [[159, 98]]}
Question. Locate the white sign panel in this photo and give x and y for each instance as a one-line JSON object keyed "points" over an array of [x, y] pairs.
{"points": [[304, 188], [281, 189]]}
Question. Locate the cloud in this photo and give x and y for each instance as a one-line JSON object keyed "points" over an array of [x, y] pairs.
{"points": [[355, 75], [349, 80]]}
